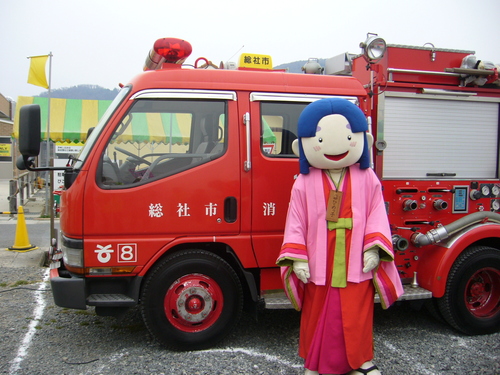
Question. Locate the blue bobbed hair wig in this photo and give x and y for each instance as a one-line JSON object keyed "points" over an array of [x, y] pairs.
{"points": [[314, 112]]}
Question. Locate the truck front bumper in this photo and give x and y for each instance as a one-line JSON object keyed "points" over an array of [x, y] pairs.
{"points": [[68, 291], [78, 292]]}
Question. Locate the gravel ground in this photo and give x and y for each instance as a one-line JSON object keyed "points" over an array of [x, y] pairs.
{"points": [[79, 342]]}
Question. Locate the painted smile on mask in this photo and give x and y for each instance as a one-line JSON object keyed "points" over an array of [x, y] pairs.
{"points": [[337, 157]]}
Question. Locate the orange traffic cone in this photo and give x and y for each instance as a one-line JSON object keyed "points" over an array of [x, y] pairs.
{"points": [[22, 241]]}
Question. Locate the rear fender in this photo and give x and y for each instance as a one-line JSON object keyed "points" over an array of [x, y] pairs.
{"points": [[437, 260]]}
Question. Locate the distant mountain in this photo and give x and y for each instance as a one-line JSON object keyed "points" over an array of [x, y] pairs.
{"points": [[92, 92]]}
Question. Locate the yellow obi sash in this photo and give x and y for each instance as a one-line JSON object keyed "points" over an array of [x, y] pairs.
{"points": [[339, 273]]}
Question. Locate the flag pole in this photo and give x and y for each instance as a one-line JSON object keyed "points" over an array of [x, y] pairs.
{"points": [[47, 142], [37, 76], [50, 163]]}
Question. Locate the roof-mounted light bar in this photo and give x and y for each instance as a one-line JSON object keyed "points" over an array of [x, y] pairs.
{"points": [[167, 51]]}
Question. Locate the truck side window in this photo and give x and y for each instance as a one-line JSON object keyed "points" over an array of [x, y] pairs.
{"points": [[279, 127], [161, 137]]}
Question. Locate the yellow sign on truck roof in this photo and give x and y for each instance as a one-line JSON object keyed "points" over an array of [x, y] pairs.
{"points": [[254, 61]]}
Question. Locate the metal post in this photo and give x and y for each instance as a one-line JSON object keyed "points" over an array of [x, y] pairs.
{"points": [[12, 195], [20, 189], [48, 184], [53, 234]]}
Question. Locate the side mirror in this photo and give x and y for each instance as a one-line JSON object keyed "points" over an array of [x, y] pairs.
{"points": [[23, 163], [29, 130]]}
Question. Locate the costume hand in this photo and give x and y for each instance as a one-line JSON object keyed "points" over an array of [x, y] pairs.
{"points": [[301, 269], [370, 260]]}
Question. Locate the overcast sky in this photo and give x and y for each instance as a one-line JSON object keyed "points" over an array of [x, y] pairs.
{"points": [[105, 42]]}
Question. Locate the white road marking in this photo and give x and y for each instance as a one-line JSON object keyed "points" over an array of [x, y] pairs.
{"points": [[38, 313], [271, 358], [115, 357]]}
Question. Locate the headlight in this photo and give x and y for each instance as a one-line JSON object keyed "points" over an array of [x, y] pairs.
{"points": [[72, 250]]}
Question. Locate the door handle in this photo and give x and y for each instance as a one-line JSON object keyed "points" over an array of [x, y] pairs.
{"points": [[230, 209]]}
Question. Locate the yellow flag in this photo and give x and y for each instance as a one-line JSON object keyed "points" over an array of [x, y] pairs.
{"points": [[36, 74]]}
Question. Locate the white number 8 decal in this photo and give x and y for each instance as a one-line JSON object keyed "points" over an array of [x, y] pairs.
{"points": [[127, 252]]}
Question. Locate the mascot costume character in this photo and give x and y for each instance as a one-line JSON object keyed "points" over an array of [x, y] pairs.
{"points": [[337, 248]]}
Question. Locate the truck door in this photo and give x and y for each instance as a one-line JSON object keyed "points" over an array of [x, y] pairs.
{"points": [[169, 169], [273, 166]]}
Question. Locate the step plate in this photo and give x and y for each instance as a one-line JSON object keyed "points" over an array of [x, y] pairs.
{"points": [[278, 299]]}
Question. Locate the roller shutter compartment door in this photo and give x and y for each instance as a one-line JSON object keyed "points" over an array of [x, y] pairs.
{"points": [[426, 137]]}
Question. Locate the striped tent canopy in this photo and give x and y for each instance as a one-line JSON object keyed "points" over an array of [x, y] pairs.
{"points": [[158, 128], [70, 119], [268, 135]]}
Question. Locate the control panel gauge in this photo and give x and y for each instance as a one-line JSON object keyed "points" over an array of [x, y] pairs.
{"points": [[495, 205], [485, 190], [495, 190]]}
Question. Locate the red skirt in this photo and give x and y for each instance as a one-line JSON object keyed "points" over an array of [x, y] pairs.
{"points": [[336, 329]]}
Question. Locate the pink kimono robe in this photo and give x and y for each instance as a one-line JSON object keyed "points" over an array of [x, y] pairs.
{"points": [[306, 239]]}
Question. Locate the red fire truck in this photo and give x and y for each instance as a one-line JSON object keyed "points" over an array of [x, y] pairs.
{"points": [[178, 199]]}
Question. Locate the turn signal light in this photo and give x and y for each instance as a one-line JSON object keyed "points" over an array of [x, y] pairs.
{"points": [[109, 270], [167, 50]]}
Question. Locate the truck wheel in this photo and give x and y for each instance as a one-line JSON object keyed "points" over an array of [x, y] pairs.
{"points": [[471, 303], [191, 300]]}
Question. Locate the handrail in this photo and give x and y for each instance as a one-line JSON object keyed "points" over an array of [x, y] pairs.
{"points": [[424, 72], [23, 186]]}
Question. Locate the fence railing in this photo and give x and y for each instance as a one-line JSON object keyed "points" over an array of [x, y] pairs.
{"points": [[21, 189]]}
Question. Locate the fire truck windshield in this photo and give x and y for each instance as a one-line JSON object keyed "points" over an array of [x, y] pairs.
{"points": [[80, 160]]}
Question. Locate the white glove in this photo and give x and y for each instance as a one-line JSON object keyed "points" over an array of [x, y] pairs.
{"points": [[301, 269], [370, 260]]}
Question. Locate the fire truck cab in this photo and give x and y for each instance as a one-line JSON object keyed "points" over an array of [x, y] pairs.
{"points": [[177, 202]]}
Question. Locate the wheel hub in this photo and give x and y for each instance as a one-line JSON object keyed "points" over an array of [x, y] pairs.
{"points": [[194, 305], [482, 293], [477, 289], [193, 302]]}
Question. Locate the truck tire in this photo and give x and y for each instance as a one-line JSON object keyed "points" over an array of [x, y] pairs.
{"points": [[471, 303], [191, 300]]}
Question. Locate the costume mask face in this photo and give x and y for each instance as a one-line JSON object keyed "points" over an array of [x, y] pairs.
{"points": [[334, 146]]}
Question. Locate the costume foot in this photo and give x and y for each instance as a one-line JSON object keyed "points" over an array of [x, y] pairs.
{"points": [[367, 368], [309, 372]]}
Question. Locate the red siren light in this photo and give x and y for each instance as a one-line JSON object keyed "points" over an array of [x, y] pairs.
{"points": [[167, 50]]}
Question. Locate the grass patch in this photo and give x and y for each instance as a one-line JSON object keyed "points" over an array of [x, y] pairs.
{"points": [[22, 282], [83, 312]]}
